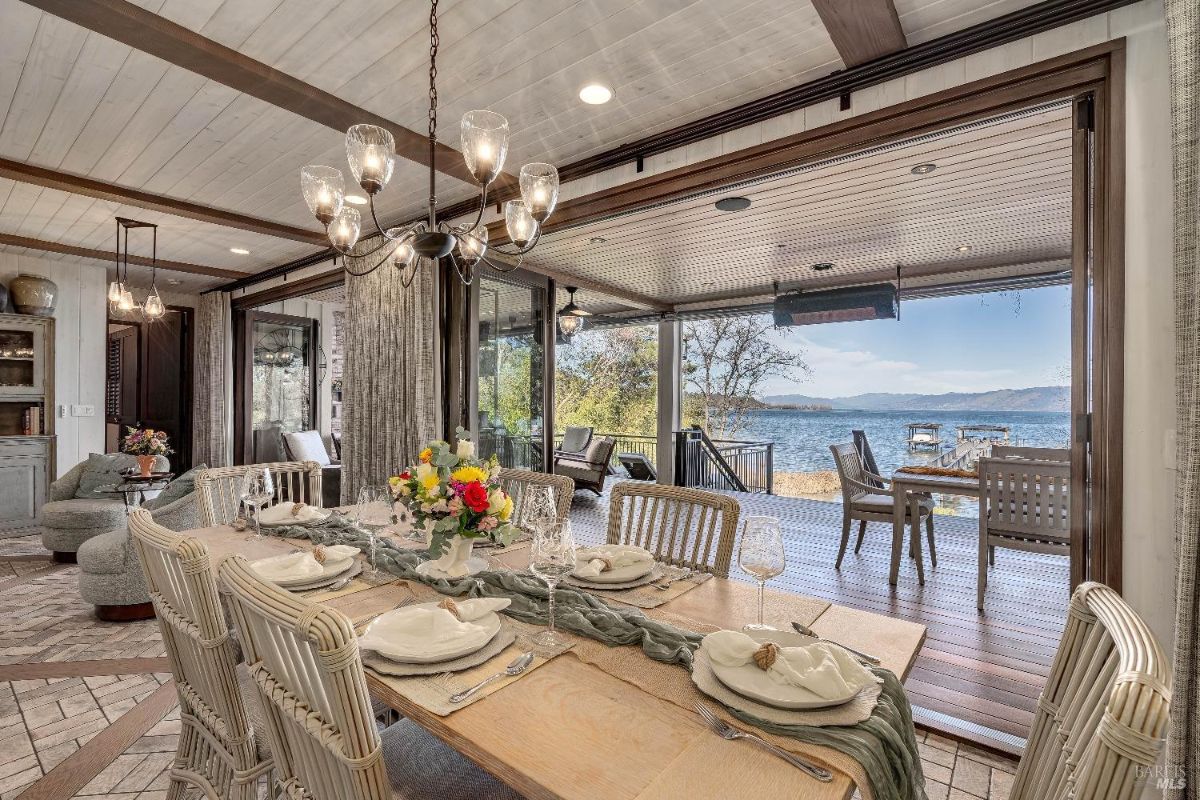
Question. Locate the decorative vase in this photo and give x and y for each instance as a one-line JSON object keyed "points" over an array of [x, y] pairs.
{"points": [[145, 465], [32, 294], [453, 562]]}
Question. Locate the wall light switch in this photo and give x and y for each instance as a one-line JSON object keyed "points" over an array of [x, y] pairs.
{"points": [[62, 410], [1170, 447], [83, 411]]}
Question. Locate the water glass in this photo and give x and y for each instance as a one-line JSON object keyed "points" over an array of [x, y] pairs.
{"points": [[373, 513], [258, 488], [762, 557], [552, 558]]}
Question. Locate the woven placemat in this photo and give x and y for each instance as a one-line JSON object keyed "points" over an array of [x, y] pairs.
{"points": [[857, 710], [497, 645]]}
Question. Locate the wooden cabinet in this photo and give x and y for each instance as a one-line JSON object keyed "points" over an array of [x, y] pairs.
{"points": [[26, 415]]}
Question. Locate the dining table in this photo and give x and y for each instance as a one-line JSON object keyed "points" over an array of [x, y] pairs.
{"points": [[907, 487], [569, 730]]}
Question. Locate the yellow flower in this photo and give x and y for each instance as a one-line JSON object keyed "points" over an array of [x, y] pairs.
{"points": [[431, 481], [506, 512], [469, 474], [426, 455]]}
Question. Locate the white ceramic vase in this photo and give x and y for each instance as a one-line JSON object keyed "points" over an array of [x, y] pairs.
{"points": [[453, 562]]}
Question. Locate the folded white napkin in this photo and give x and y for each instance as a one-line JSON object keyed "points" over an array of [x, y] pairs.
{"points": [[824, 669], [338, 552], [282, 513], [287, 567], [591, 561], [430, 629]]}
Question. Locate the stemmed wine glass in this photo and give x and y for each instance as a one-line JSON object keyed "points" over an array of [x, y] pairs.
{"points": [[538, 508], [552, 558], [258, 487], [761, 555], [373, 513]]}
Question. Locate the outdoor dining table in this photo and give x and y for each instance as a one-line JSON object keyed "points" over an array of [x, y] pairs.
{"points": [[571, 730], [907, 484]]}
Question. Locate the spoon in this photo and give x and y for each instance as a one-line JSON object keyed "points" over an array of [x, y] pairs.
{"points": [[807, 631], [519, 665]]}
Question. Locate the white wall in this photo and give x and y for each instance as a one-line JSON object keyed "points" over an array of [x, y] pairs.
{"points": [[79, 336]]}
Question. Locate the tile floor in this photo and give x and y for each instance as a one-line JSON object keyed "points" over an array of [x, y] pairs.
{"points": [[45, 721]]}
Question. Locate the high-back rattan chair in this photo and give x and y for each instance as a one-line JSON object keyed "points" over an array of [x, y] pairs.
{"points": [[218, 752], [1024, 504], [304, 663], [685, 527], [517, 481], [219, 489], [1101, 719]]}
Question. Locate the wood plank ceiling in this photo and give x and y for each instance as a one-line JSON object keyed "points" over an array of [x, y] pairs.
{"points": [[75, 101]]}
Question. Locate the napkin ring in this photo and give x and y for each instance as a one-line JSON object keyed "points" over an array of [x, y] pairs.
{"points": [[765, 656], [452, 607], [297, 508], [607, 562], [318, 554]]}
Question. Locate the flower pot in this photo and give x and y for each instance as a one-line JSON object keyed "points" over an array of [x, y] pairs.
{"points": [[31, 294], [454, 558], [145, 465]]}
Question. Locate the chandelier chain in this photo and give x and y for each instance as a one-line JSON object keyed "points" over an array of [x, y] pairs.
{"points": [[434, 41]]}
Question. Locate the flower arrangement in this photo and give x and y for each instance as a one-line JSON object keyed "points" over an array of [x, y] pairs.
{"points": [[146, 442], [450, 493]]}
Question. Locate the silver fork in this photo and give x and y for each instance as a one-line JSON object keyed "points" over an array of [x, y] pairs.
{"points": [[664, 585], [727, 731]]}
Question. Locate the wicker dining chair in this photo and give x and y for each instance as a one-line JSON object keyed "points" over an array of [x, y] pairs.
{"points": [[304, 662], [1102, 717], [218, 752], [517, 481], [685, 527], [219, 489]]}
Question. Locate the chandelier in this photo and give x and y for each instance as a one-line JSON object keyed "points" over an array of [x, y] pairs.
{"points": [[371, 150], [120, 298]]}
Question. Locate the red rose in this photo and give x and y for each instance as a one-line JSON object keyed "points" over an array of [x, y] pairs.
{"points": [[404, 475], [475, 495]]}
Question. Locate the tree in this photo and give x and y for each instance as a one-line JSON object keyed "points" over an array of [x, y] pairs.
{"points": [[725, 363], [607, 379]]}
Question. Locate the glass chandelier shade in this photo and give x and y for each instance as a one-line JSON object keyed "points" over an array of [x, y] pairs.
{"points": [[126, 302], [473, 244], [484, 140], [371, 151], [539, 189], [114, 292], [569, 325], [344, 230], [324, 191], [403, 255], [521, 225], [153, 307]]}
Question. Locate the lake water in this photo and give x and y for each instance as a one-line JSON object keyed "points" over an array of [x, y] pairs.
{"points": [[802, 438]]}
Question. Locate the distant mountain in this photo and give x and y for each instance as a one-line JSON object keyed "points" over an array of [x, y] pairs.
{"points": [[1036, 398]]}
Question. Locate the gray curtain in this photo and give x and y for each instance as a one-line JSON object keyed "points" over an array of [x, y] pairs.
{"points": [[212, 393], [1183, 746], [389, 387]]}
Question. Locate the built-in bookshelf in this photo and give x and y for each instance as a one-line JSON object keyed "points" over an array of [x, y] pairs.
{"points": [[26, 415]]}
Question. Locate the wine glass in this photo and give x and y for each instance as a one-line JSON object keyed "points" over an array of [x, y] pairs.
{"points": [[538, 509], [373, 513], [761, 556], [552, 558], [258, 487]]}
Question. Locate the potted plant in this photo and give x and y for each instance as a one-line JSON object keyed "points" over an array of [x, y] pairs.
{"points": [[146, 444], [456, 499]]}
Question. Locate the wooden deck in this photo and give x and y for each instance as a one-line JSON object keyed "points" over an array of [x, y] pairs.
{"points": [[979, 675]]}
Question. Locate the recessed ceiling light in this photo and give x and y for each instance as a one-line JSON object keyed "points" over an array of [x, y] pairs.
{"points": [[597, 240], [733, 204], [356, 200], [923, 169], [173, 281], [241, 251], [824, 266], [963, 248], [595, 94]]}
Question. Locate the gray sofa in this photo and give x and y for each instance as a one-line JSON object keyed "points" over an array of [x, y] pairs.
{"points": [[76, 512], [110, 577]]}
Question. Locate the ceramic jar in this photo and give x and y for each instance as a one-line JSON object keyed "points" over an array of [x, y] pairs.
{"points": [[32, 294]]}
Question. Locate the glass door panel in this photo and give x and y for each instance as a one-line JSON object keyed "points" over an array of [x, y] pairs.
{"points": [[510, 374], [282, 381]]}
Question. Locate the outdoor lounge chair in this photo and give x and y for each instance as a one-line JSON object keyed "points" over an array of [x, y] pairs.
{"points": [[587, 469], [638, 466], [575, 441]]}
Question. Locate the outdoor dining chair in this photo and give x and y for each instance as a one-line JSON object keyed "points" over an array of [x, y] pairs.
{"points": [[517, 481], [219, 750], [685, 527], [219, 489]]}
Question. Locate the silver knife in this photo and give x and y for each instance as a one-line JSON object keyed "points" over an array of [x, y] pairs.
{"points": [[807, 631]]}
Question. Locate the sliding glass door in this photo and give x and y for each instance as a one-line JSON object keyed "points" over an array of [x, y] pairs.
{"points": [[278, 362], [509, 391]]}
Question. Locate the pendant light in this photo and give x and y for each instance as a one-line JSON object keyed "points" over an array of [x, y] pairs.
{"points": [[120, 297], [571, 317]]}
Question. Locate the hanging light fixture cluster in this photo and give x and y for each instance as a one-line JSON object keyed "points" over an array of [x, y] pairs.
{"points": [[120, 297], [370, 151]]}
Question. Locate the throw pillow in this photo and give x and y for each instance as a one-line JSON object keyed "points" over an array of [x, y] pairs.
{"points": [[182, 486], [102, 469], [307, 446]]}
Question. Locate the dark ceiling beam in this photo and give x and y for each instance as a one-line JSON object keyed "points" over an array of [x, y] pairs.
{"points": [[175, 44], [108, 255], [77, 184], [862, 30]]}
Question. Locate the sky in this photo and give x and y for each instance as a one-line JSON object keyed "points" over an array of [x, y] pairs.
{"points": [[972, 343]]}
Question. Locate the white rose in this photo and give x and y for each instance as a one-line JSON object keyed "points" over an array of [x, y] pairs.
{"points": [[466, 448], [495, 501], [424, 471]]}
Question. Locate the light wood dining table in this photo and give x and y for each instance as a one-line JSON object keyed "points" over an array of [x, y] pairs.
{"points": [[570, 731]]}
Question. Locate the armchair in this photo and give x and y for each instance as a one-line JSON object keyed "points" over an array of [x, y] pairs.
{"points": [[589, 468]]}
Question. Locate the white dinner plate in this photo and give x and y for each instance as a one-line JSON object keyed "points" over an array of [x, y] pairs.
{"points": [[620, 574], [316, 519], [409, 649], [327, 571], [750, 681]]}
